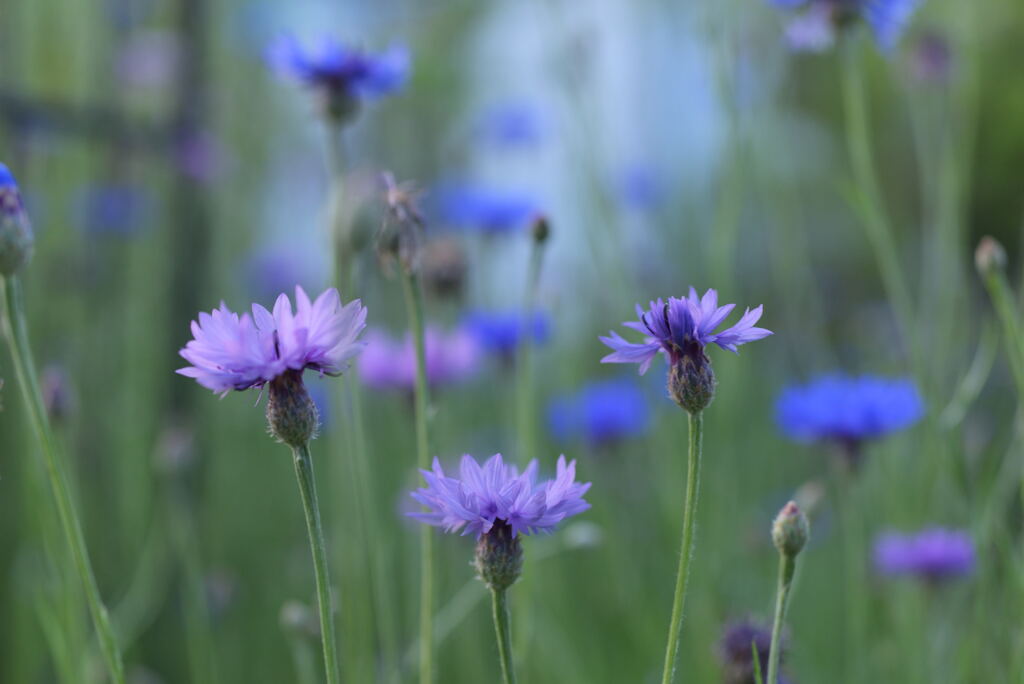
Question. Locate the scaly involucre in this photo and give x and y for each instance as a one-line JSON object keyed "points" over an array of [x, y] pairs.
{"points": [[484, 495], [684, 325], [235, 352]]}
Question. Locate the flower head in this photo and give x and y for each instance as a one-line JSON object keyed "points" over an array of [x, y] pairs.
{"points": [[486, 209], [934, 553], [482, 497], [848, 409], [601, 412], [235, 352], [501, 332], [814, 27], [391, 364], [16, 238], [345, 75]]}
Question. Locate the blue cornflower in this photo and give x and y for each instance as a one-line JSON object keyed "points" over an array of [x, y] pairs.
{"points": [[485, 209], [934, 553], [814, 27], [344, 75], [681, 329], [638, 187], [495, 493], [848, 409], [501, 332], [601, 412]]}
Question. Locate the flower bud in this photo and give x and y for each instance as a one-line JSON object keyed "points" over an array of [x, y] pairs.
{"points": [[990, 256], [499, 557], [691, 382], [16, 239], [790, 530], [540, 229], [291, 413]]}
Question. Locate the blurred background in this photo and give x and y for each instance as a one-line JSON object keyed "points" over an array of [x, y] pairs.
{"points": [[166, 168]]}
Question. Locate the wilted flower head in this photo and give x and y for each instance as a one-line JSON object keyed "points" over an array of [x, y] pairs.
{"points": [[739, 641], [848, 409], [817, 22], [483, 496], [391, 364], [401, 231], [681, 329], [344, 75], [501, 332], [232, 352], [933, 554], [488, 210], [16, 239], [600, 413]]}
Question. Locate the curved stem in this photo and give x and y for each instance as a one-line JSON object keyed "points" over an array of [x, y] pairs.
{"points": [[16, 332], [787, 566], [503, 632], [414, 304], [869, 196], [307, 488], [686, 551]]}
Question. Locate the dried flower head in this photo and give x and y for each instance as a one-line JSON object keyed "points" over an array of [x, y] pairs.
{"points": [[400, 236]]}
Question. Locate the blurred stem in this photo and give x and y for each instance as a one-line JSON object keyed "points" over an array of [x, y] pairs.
{"points": [[414, 305], [307, 488], [16, 332], [853, 570], [686, 551], [787, 567], [526, 412], [1002, 300], [499, 608], [868, 193], [338, 231]]}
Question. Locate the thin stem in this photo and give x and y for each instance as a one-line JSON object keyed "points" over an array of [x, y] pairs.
{"points": [[686, 551], [338, 219], [307, 488], [503, 632], [526, 413], [868, 193], [414, 304], [787, 566], [16, 332]]}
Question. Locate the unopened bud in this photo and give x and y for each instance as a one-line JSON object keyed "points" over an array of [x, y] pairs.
{"points": [[540, 229], [990, 256], [16, 240], [291, 413], [790, 530], [499, 557]]}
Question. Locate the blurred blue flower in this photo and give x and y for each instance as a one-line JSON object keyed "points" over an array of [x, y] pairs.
{"points": [[814, 27], [117, 209], [485, 209], [501, 332], [934, 553], [638, 187], [390, 364], [513, 123], [345, 75], [601, 412], [848, 409]]}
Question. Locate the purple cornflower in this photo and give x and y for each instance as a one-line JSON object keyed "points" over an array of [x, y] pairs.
{"points": [[485, 496], [681, 329], [391, 364], [847, 409], [236, 352], [739, 641], [817, 22], [600, 413], [501, 332], [934, 553], [343, 74], [488, 210]]}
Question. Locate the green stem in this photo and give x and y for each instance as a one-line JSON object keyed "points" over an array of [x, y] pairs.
{"points": [[16, 332], [787, 566], [525, 412], [307, 488], [414, 304], [503, 632], [686, 551], [869, 196]]}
